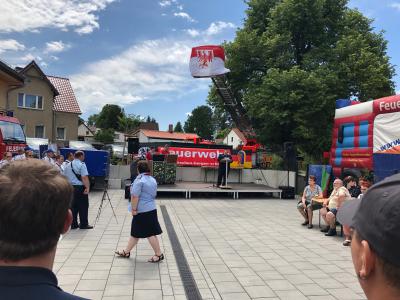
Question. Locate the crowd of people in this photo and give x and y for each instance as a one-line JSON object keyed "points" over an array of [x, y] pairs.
{"points": [[313, 199], [72, 167]]}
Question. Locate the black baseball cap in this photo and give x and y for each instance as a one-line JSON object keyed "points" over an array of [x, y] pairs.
{"points": [[376, 217]]}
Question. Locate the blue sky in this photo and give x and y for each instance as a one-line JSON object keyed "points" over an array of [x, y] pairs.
{"points": [[135, 53]]}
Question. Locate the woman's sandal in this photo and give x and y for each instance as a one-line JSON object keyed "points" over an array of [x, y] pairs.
{"points": [[157, 259], [123, 254]]}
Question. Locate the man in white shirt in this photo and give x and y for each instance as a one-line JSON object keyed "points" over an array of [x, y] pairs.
{"points": [[6, 159], [48, 156], [20, 155]]}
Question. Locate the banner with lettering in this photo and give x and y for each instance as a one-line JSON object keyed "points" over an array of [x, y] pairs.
{"points": [[387, 133], [201, 157]]}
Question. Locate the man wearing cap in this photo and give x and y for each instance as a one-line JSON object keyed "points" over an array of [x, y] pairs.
{"points": [[48, 157], [375, 247]]}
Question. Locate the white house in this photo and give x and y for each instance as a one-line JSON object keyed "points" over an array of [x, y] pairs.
{"points": [[86, 133], [235, 138]]}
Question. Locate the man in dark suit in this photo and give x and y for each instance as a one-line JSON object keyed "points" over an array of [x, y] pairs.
{"points": [[34, 212], [224, 168]]}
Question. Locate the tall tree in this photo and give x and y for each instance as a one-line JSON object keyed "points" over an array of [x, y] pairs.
{"points": [[92, 119], [200, 122], [109, 117], [105, 136], [178, 127], [294, 58]]}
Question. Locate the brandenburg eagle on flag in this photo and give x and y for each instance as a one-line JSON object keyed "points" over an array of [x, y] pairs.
{"points": [[207, 61]]}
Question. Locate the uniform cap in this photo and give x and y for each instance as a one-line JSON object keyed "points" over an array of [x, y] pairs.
{"points": [[376, 217]]}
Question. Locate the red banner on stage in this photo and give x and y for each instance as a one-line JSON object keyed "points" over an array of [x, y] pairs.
{"points": [[196, 157]]}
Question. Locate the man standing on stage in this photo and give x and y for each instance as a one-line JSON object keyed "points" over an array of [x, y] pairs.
{"points": [[223, 168]]}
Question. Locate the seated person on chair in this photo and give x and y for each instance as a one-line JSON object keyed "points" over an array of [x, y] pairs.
{"points": [[224, 168], [352, 187], [331, 206], [306, 205]]}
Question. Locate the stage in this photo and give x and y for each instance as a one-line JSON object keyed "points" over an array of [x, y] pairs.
{"points": [[188, 188]]}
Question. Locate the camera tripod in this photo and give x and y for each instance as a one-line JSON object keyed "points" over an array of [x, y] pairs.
{"points": [[103, 198]]}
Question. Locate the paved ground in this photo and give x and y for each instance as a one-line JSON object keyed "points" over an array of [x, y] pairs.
{"points": [[236, 249]]}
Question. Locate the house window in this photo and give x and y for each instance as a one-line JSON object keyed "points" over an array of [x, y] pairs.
{"points": [[30, 101], [60, 133], [232, 139], [39, 131]]}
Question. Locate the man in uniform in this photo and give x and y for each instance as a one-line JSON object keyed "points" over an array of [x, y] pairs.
{"points": [[20, 155], [78, 176], [223, 168], [48, 157]]}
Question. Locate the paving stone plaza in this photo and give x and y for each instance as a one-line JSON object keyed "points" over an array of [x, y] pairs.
{"points": [[236, 249]]}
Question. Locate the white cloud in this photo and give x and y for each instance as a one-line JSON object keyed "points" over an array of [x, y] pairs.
{"points": [[80, 15], [10, 45], [395, 5], [184, 15], [165, 3], [56, 46], [27, 58], [193, 32], [152, 68], [217, 27]]}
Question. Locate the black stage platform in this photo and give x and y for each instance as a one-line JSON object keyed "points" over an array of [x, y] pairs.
{"points": [[198, 187]]}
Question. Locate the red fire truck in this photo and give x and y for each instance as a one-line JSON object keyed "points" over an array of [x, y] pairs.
{"points": [[12, 136]]}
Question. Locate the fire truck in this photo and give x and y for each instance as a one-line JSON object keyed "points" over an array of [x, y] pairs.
{"points": [[12, 136]]}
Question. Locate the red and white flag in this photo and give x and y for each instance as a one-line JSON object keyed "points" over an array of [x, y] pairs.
{"points": [[207, 61]]}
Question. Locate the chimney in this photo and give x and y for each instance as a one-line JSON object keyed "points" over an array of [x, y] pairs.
{"points": [[170, 128]]}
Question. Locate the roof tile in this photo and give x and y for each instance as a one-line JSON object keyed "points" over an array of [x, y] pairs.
{"points": [[168, 135], [65, 101]]}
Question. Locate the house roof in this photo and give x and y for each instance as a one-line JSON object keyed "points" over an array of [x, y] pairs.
{"points": [[45, 78], [65, 101], [240, 134], [168, 135], [11, 72], [91, 129]]}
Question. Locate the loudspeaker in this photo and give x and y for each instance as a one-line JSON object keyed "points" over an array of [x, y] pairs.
{"points": [[290, 156], [287, 192], [133, 145]]}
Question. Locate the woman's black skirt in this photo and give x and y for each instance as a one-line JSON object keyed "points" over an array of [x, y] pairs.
{"points": [[145, 225]]}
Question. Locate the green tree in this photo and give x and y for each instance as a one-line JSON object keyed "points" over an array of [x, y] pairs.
{"points": [[178, 127], [294, 58], [128, 122], [105, 136], [92, 119], [109, 116], [200, 122]]}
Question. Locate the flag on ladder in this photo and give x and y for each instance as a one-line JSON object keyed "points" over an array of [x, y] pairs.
{"points": [[207, 61]]}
